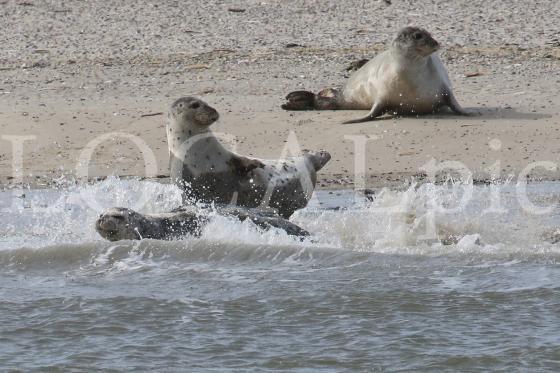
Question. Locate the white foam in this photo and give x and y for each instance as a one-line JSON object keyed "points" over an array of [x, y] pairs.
{"points": [[394, 222]]}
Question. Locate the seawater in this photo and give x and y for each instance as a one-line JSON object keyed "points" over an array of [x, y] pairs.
{"points": [[404, 280]]}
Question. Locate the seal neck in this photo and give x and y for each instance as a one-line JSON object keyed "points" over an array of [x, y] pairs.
{"points": [[178, 135]]}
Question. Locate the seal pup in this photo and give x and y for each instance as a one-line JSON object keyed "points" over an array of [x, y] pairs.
{"points": [[208, 172], [408, 78], [120, 223]]}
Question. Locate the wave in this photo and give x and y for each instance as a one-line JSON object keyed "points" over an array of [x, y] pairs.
{"points": [[52, 228]]}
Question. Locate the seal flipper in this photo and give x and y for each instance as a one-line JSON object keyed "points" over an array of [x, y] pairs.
{"points": [[300, 100], [264, 219], [284, 224], [377, 110], [243, 165], [451, 101], [326, 99]]}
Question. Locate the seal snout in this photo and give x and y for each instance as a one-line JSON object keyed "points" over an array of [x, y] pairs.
{"points": [[206, 115], [213, 114], [109, 222], [433, 43]]}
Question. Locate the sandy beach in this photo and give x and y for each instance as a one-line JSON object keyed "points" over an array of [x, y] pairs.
{"points": [[72, 72]]}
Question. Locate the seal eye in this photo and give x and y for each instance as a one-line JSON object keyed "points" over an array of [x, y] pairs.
{"points": [[196, 105], [417, 35]]}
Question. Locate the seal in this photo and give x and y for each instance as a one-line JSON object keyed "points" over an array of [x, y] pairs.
{"points": [[407, 79], [120, 223], [208, 172]]}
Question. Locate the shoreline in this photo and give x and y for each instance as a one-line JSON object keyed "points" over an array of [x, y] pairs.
{"points": [[376, 182]]}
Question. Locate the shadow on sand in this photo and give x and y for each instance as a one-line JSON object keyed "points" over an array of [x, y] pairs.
{"points": [[476, 113]]}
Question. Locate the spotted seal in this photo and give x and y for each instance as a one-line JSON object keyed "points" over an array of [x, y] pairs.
{"points": [[209, 172], [119, 223]]}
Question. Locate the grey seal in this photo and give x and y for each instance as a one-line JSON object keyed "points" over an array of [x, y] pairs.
{"points": [[408, 78], [208, 172], [120, 223]]}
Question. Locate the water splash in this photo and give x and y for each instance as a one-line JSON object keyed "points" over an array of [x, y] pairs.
{"points": [[405, 222]]}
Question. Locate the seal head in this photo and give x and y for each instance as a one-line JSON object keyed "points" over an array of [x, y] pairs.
{"points": [[415, 41], [120, 223], [193, 110]]}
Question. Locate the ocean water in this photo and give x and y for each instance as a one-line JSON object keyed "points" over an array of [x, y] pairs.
{"points": [[425, 278]]}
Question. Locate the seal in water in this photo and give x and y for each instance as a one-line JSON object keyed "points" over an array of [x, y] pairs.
{"points": [[206, 171], [119, 223], [408, 78]]}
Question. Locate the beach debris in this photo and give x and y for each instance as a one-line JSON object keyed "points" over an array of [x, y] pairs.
{"points": [[236, 10], [293, 45], [473, 74], [151, 114]]}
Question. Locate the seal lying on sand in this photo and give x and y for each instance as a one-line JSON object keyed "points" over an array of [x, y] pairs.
{"points": [[120, 223], [209, 172], [408, 78]]}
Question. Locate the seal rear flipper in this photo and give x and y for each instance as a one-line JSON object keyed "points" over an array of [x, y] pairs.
{"points": [[327, 99], [300, 100]]}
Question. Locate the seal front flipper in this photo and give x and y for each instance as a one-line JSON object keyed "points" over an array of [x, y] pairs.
{"points": [[280, 223], [243, 165], [451, 101], [377, 110]]}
